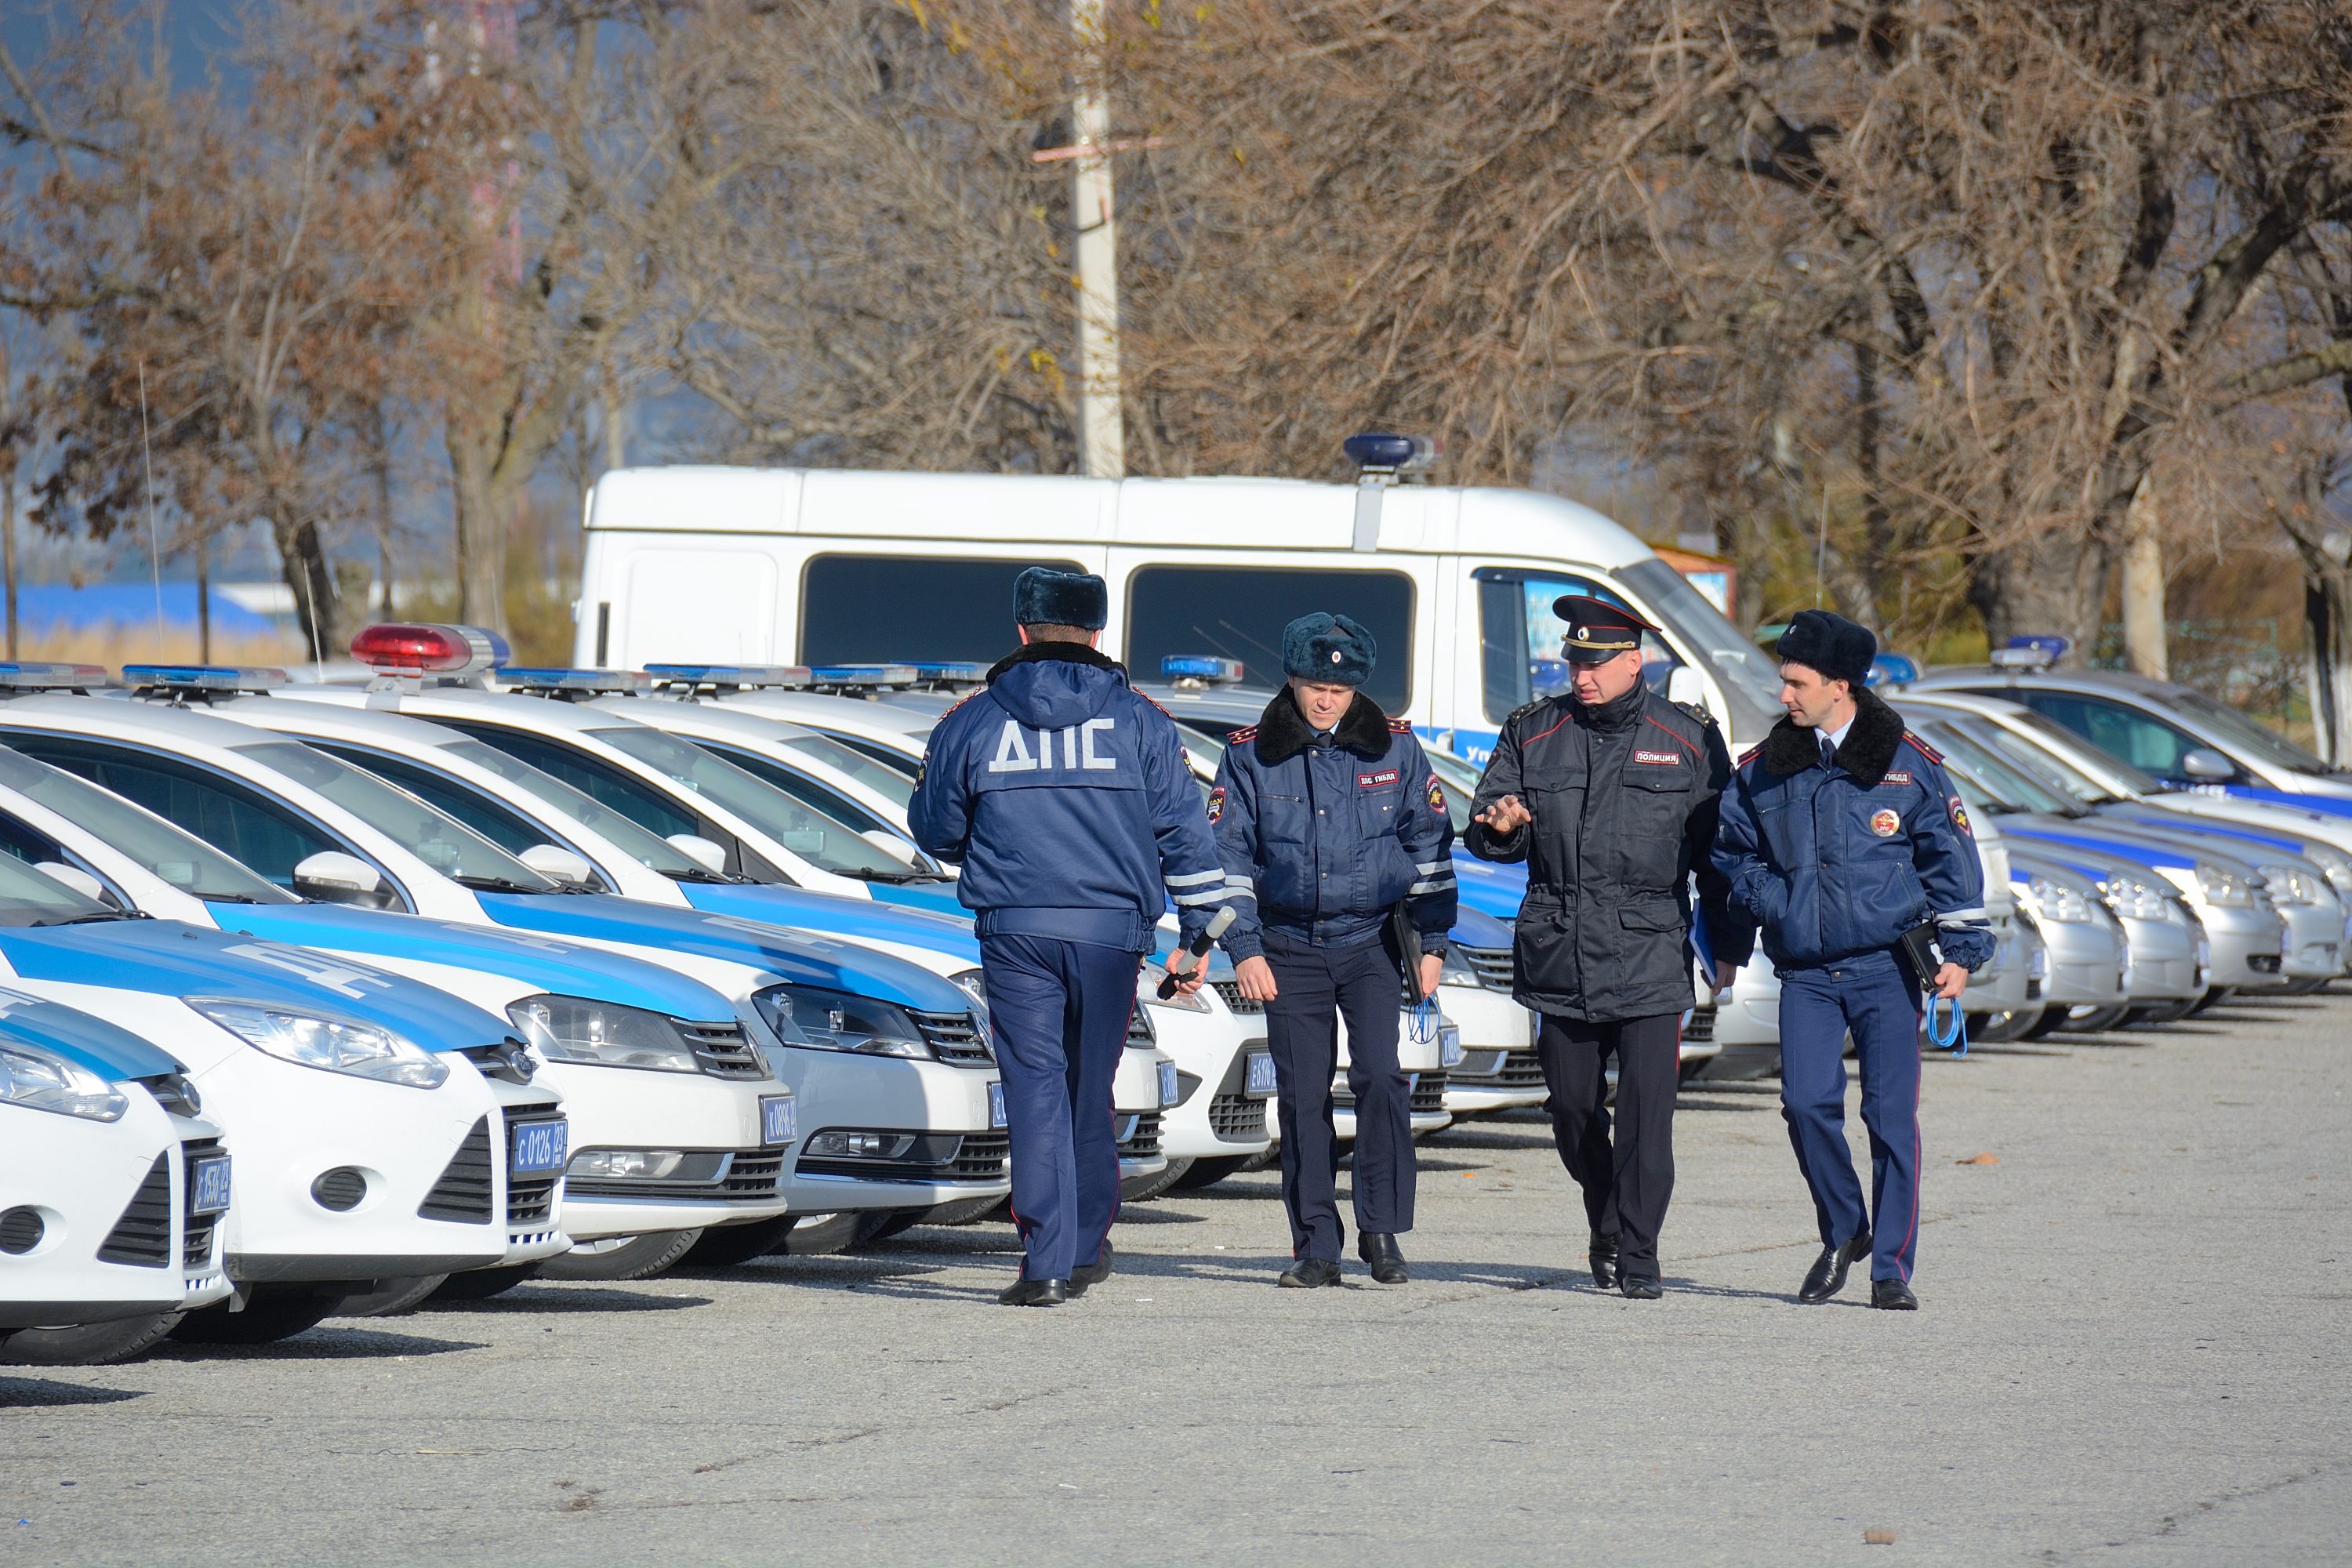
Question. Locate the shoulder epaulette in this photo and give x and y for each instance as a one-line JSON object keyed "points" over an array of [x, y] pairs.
{"points": [[1523, 711], [1697, 713], [1149, 698], [1246, 732], [1400, 726], [1925, 750], [1749, 756], [960, 702]]}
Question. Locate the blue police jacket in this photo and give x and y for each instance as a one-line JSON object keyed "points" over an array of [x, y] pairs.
{"points": [[1322, 836], [1065, 795], [1835, 860]]}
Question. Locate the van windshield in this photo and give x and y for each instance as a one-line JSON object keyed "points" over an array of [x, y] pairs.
{"points": [[1750, 681]]}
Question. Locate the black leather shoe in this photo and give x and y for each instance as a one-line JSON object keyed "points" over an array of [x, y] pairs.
{"points": [[1087, 1274], [1603, 1258], [1893, 1296], [1035, 1293], [1309, 1274], [1638, 1290], [1379, 1248], [1827, 1275]]}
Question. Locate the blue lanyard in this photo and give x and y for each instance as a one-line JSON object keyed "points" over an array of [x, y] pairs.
{"points": [[1953, 1037]]}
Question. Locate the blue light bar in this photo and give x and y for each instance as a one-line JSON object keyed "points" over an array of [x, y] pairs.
{"points": [[738, 676], [950, 672], [2031, 652], [863, 675], [547, 680], [1205, 669], [35, 676], [1892, 669], [203, 677], [1380, 450]]}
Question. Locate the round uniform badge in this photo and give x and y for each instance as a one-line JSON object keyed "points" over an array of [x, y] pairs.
{"points": [[1884, 824]]}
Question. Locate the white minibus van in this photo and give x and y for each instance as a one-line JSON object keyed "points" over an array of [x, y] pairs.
{"points": [[826, 567]]}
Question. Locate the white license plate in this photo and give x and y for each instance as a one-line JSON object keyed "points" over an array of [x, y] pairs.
{"points": [[538, 1147], [208, 1186], [1169, 1092], [1261, 1074], [996, 1105], [778, 1121], [1449, 1045]]}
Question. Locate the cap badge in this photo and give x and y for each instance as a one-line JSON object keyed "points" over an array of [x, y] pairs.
{"points": [[1335, 656]]}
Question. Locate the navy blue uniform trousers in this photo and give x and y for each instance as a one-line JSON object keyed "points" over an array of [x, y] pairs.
{"points": [[1315, 986], [1626, 1184], [1058, 1011], [1874, 996]]}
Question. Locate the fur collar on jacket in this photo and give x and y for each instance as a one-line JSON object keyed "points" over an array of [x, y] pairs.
{"points": [[1281, 731], [1075, 652], [1869, 749]]}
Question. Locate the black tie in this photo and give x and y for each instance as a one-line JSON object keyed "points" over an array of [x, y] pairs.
{"points": [[1828, 752]]}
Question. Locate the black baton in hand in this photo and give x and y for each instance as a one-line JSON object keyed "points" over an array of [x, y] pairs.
{"points": [[1199, 948]]}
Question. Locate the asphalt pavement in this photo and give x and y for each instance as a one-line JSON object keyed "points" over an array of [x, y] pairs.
{"points": [[2132, 1349]]}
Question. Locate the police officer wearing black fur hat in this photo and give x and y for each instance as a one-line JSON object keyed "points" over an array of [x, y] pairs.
{"points": [[1608, 791], [1327, 819]]}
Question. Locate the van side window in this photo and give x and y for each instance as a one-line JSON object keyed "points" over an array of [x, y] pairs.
{"points": [[1520, 638], [866, 609], [1238, 612]]}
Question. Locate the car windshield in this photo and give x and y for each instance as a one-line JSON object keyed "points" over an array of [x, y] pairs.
{"points": [[30, 898], [2011, 788], [442, 842], [177, 857], [1750, 681], [2053, 771], [821, 840], [887, 782], [2048, 736], [2266, 744], [647, 848]]}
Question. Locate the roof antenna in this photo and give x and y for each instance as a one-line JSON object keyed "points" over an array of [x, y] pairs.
{"points": [[154, 551]]}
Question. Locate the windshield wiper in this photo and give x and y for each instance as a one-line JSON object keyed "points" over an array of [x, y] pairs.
{"points": [[894, 878], [97, 918], [704, 874], [495, 884], [228, 897]]}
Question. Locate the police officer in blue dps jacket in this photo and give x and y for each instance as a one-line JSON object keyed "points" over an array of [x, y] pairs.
{"points": [[1328, 817], [1840, 834], [1066, 797], [1608, 791]]}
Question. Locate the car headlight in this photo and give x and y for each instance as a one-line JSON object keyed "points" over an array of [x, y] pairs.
{"points": [[2290, 884], [2136, 899], [2058, 902], [330, 1045], [575, 1030], [2334, 865], [2223, 888], [43, 1081], [1455, 970], [826, 1020], [1148, 988]]}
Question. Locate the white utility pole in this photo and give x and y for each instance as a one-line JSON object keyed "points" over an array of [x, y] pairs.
{"points": [[1102, 435]]}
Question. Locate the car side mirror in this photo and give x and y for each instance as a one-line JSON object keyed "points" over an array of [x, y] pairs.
{"points": [[1683, 685], [559, 864], [699, 850], [79, 880], [2207, 765], [332, 877]]}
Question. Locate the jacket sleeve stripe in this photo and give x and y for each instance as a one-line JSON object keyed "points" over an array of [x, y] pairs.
{"points": [[1961, 917], [1193, 878], [1215, 895]]}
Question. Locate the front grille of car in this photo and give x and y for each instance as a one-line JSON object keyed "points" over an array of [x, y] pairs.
{"points": [[752, 1176], [1139, 1030], [1499, 1069], [1141, 1138], [1493, 964], [174, 1093], [1237, 1119], [1700, 1029], [716, 1175], [462, 1195], [531, 1196], [2034, 990], [143, 1236], [955, 1038], [937, 1157], [1231, 990], [196, 1246], [981, 1156], [1428, 1094], [723, 1050]]}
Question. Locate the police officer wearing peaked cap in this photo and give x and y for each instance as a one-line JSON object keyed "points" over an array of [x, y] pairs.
{"points": [[1327, 820], [1608, 791], [1066, 797], [1840, 834]]}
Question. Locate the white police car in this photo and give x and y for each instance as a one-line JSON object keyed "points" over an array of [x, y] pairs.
{"points": [[569, 1001], [112, 1189], [867, 1041]]}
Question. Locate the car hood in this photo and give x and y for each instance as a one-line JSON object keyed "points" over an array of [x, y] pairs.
{"points": [[107, 1049], [2147, 848], [803, 958], [170, 958], [826, 915], [551, 964]]}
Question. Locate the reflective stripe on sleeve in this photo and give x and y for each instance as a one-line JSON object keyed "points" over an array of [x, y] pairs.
{"points": [[1193, 878]]}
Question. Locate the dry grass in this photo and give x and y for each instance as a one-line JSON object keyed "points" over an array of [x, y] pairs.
{"points": [[114, 645]]}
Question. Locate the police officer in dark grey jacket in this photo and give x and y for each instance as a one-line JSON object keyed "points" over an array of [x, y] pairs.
{"points": [[1328, 818], [1066, 797], [1608, 793], [1839, 834]]}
